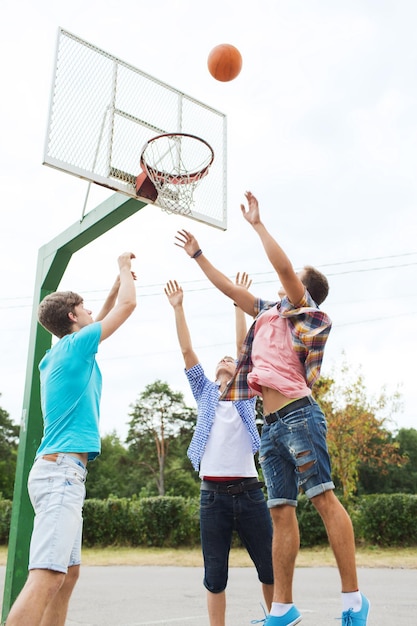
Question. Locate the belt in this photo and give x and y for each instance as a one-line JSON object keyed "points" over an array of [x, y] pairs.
{"points": [[288, 408], [247, 484]]}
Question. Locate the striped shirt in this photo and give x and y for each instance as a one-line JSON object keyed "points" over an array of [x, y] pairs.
{"points": [[206, 394], [309, 328]]}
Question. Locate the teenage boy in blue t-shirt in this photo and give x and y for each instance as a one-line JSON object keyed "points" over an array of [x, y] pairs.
{"points": [[70, 399]]}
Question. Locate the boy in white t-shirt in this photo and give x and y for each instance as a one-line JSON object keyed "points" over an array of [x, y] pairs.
{"points": [[222, 451]]}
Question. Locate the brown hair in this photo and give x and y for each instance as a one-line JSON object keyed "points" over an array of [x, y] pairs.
{"points": [[53, 312], [316, 284]]}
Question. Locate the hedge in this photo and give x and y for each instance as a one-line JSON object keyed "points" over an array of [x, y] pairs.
{"points": [[170, 521], [158, 522], [387, 519]]}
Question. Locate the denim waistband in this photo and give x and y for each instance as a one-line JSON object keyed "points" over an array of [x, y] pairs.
{"points": [[59, 457], [271, 418]]}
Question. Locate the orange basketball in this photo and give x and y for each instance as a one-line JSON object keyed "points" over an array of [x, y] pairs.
{"points": [[224, 62]]}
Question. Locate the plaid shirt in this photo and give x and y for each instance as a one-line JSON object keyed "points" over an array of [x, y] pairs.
{"points": [[310, 329]]}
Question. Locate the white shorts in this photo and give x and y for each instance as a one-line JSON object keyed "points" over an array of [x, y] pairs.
{"points": [[57, 492]]}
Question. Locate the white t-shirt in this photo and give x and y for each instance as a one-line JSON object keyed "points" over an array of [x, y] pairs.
{"points": [[228, 451]]}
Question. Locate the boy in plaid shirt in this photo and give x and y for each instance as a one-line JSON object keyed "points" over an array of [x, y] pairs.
{"points": [[222, 451]]}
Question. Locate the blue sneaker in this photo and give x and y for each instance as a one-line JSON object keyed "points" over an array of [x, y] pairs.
{"points": [[292, 617], [357, 618]]}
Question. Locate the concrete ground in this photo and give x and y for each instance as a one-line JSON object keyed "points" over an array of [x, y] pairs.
{"points": [[171, 596]]}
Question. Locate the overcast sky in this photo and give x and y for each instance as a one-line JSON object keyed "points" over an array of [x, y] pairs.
{"points": [[322, 127]]}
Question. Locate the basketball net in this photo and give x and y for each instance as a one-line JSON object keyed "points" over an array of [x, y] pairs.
{"points": [[175, 164]]}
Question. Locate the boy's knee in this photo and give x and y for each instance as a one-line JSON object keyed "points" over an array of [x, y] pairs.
{"points": [[283, 513], [48, 581], [72, 576], [326, 501]]}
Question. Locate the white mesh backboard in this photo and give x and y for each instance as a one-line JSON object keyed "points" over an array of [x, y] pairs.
{"points": [[102, 113]]}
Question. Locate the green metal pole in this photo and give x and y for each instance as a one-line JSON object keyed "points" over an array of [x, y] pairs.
{"points": [[53, 259]]}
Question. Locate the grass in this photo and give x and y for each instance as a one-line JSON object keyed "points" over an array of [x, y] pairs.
{"points": [[403, 558]]}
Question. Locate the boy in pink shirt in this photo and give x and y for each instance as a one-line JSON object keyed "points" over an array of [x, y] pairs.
{"points": [[281, 360]]}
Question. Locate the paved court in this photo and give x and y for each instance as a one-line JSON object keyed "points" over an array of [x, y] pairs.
{"points": [[172, 596]]}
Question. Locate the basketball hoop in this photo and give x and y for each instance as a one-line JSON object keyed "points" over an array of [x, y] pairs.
{"points": [[175, 163]]}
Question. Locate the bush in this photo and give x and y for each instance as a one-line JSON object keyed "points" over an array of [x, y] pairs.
{"points": [[388, 519], [106, 521], [5, 517], [172, 521], [166, 521], [157, 521]]}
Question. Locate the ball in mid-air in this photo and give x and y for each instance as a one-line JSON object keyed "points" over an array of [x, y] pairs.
{"points": [[224, 62]]}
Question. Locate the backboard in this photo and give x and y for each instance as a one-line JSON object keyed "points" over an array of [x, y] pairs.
{"points": [[103, 111]]}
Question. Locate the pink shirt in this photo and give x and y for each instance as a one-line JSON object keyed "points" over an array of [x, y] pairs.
{"points": [[275, 364]]}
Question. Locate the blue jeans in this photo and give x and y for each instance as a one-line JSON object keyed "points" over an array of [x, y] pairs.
{"points": [[57, 493], [247, 514], [294, 441]]}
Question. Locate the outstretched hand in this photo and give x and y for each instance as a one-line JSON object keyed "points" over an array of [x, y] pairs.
{"points": [[243, 280], [251, 214], [174, 293], [125, 260], [187, 241]]}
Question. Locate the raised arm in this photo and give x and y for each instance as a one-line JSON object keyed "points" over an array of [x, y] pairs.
{"points": [[241, 328], [175, 297], [126, 298], [290, 281], [110, 301], [245, 300]]}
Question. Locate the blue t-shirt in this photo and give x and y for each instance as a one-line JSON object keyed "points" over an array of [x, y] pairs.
{"points": [[70, 394]]}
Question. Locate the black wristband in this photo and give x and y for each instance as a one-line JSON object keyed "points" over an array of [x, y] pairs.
{"points": [[197, 254]]}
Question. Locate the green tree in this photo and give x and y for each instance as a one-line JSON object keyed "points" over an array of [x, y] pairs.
{"points": [[398, 479], [404, 478], [9, 438], [161, 426], [108, 472], [357, 428]]}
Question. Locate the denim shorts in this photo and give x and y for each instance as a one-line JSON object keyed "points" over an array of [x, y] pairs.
{"points": [[248, 515], [57, 492], [291, 442]]}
